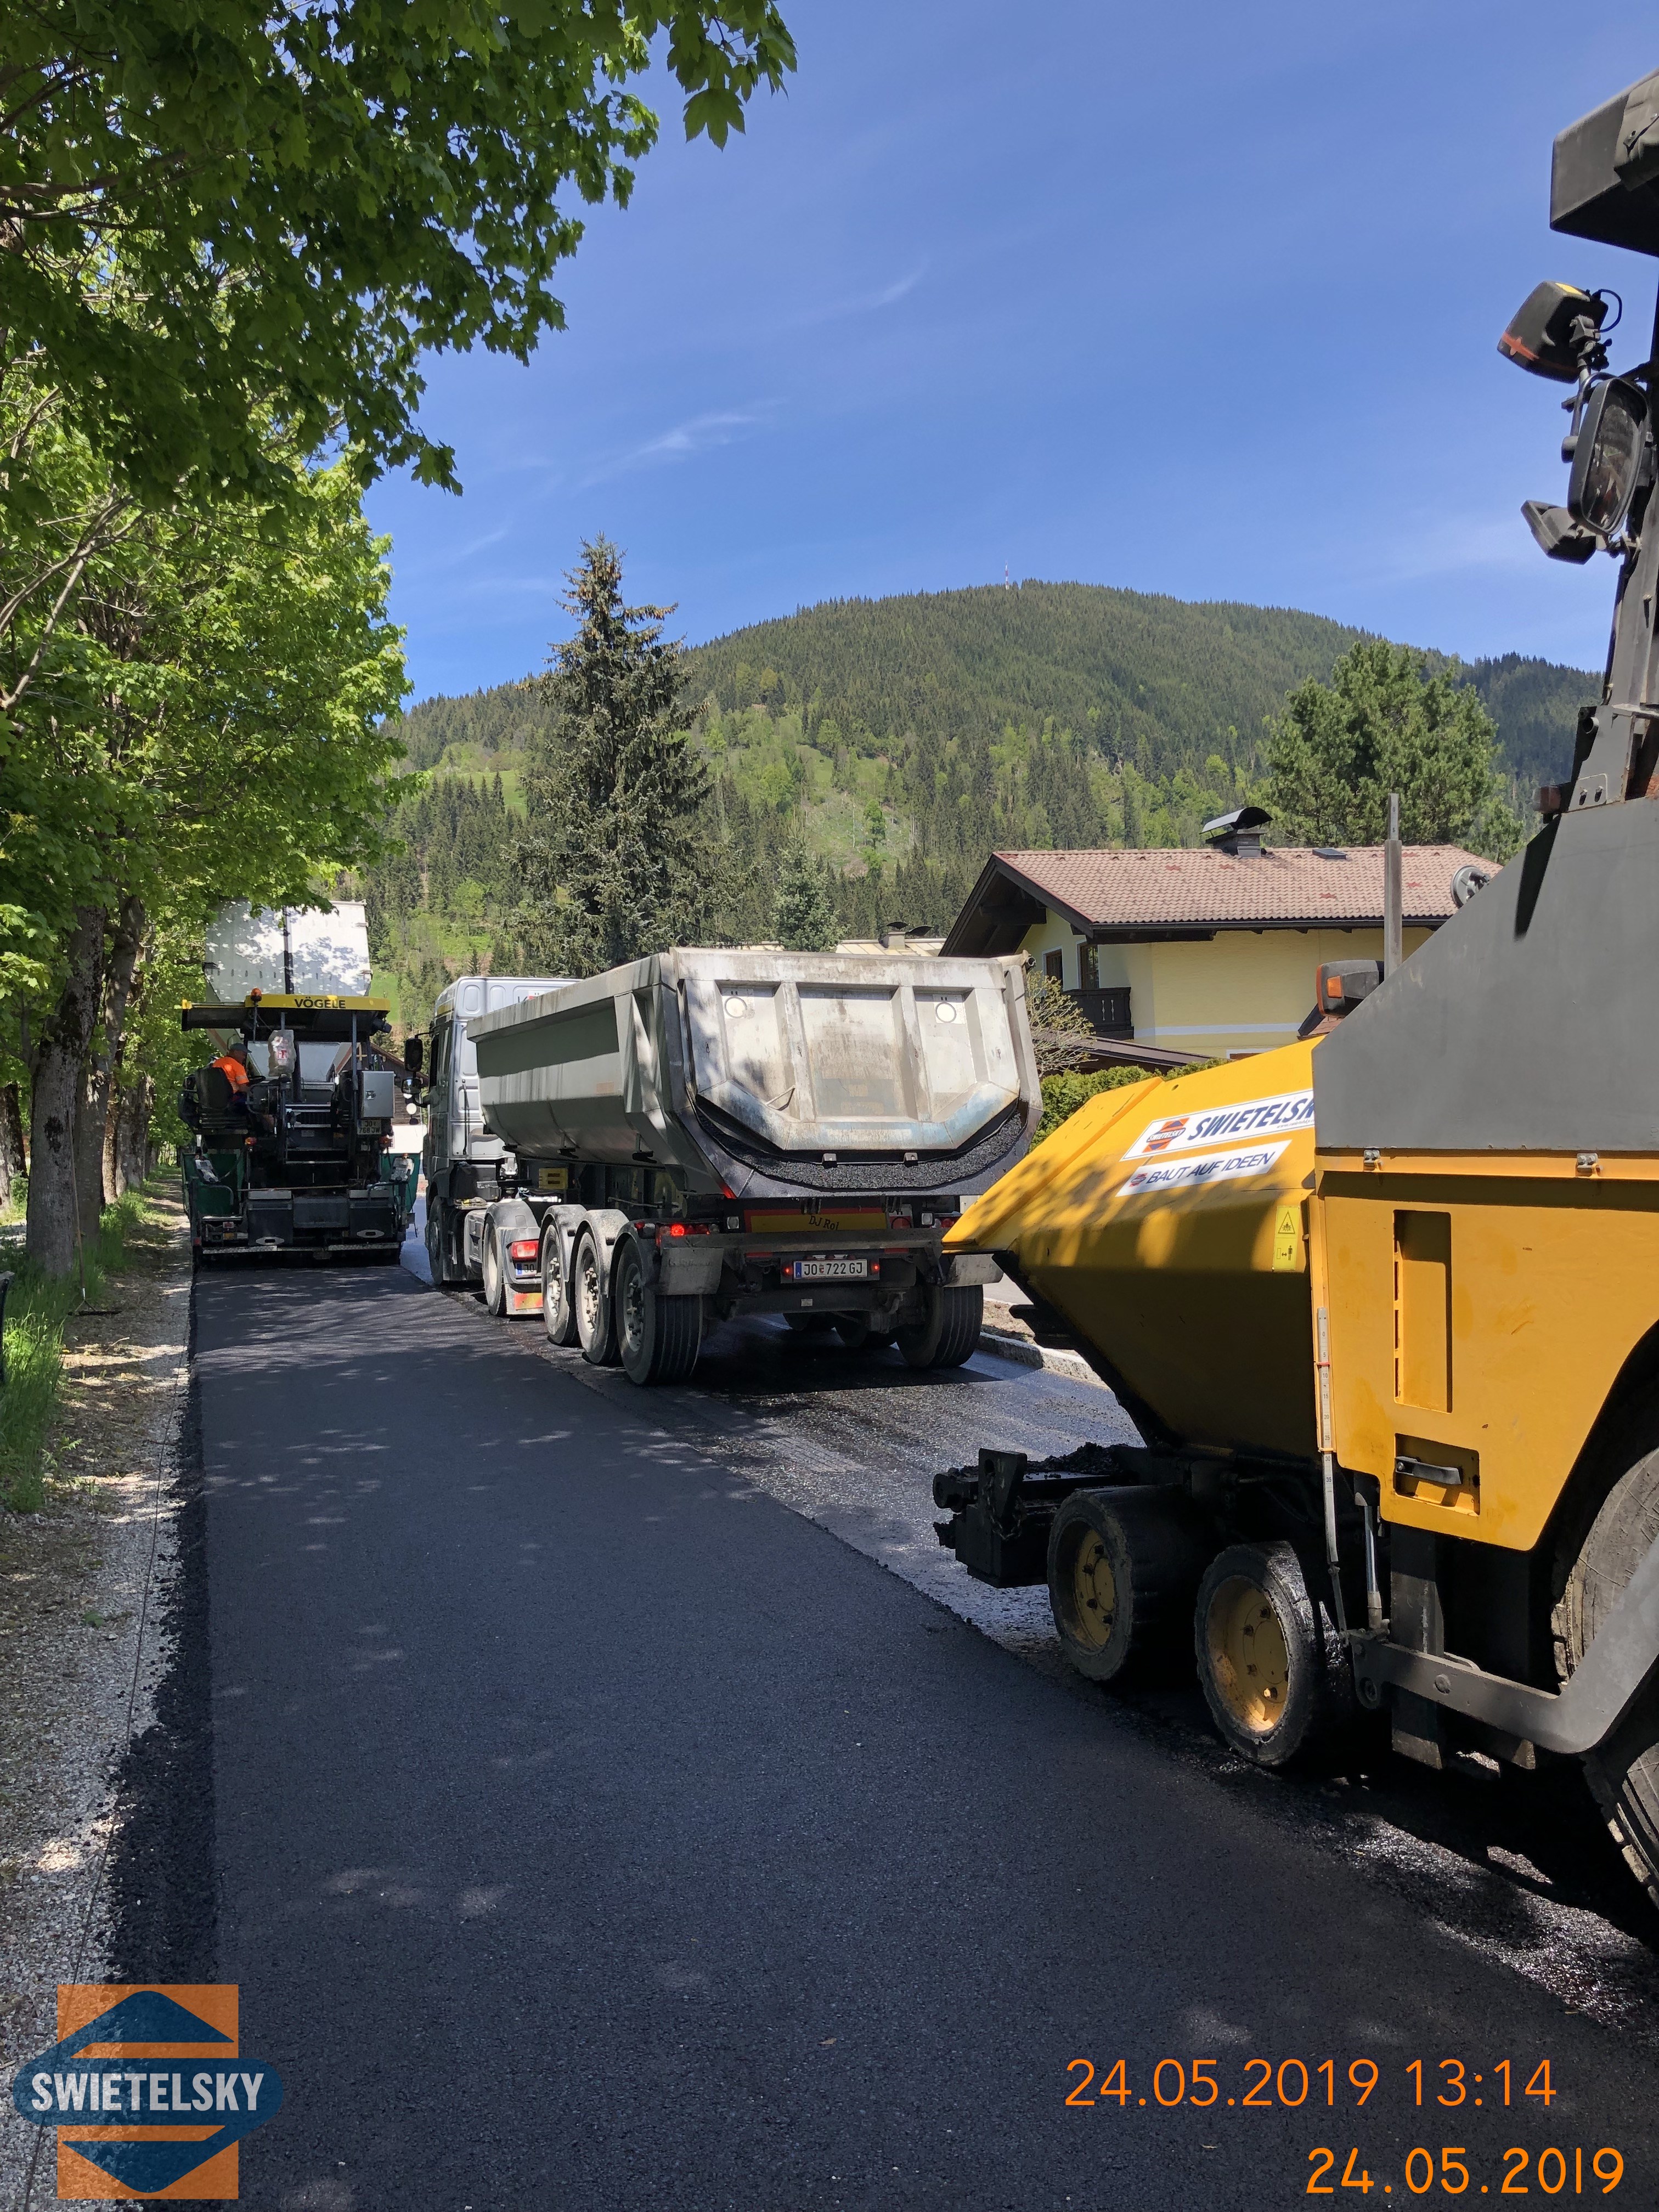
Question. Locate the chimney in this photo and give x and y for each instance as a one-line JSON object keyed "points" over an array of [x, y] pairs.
{"points": [[1238, 833]]}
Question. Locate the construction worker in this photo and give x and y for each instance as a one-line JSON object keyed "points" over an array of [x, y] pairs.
{"points": [[232, 1063]]}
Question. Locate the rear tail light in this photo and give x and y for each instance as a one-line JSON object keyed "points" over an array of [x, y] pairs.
{"points": [[524, 1248]]}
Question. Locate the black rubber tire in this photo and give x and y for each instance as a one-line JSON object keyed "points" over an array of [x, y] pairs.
{"points": [[1270, 1706], [558, 1314], [1123, 1563], [596, 1319], [495, 1276], [657, 1337], [948, 1331], [1623, 1773], [444, 1275]]}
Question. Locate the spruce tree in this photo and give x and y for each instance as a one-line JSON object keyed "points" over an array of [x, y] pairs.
{"points": [[804, 918], [613, 861]]}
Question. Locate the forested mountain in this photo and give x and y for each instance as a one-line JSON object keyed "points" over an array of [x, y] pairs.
{"points": [[907, 737]]}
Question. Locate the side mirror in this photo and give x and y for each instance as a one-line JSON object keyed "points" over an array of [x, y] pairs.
{"points": [[1554, 331], [1341, 984], [1607, 460], [413, 1054], [1557, 533]]}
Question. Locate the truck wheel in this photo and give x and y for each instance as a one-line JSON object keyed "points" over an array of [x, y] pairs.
{"points": [[596, 1314], [948, 1331], [1122, 1566], [658, 1337], [1271, 1673], [558, 1308], [1624, 1772], [437, 1246], [495, 1281]]}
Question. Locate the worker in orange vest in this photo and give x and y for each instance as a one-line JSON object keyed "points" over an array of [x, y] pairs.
{"points": [[232, 1063]]}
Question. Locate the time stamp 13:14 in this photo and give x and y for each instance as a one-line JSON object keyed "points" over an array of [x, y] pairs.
{"points": [[1570, 2169]]}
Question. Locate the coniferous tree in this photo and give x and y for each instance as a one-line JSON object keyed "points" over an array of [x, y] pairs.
{"points": [[804, 917], [613, 860]]}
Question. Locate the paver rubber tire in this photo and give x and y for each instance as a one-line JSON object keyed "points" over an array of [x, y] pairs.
{"points": [[659, 1338], [1623, 1773], [948, 1331], [596, 1314], [558, 1311], [1271, 1669], [495, 1276], [1123, 1563]]}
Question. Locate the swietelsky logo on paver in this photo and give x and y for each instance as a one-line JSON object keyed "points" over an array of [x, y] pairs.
{"points": [[148, 2090]]}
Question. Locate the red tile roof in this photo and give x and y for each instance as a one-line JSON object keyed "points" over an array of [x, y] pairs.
{"points": [[1286, 887], [1118, 889]]}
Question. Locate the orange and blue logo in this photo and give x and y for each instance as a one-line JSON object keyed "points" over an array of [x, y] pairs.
{"points": [[148, 2090]]}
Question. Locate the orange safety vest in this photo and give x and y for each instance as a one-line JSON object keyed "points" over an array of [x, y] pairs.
{"points": [[233, 1070]]}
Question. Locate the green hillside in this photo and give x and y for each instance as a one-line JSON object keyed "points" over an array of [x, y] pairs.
{"points": [[908, 736]]}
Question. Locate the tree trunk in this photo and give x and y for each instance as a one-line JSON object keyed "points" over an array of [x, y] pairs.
{"points": [[92, 1124], [133, 1108], [57, 1081], [12, 1162], [96, 1141]]}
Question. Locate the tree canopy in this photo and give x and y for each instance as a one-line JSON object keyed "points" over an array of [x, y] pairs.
{"points": [[1387, 722], [208, 720], [304, 198]]}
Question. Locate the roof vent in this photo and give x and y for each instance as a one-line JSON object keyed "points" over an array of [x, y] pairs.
{"points": [[1238, 833]]}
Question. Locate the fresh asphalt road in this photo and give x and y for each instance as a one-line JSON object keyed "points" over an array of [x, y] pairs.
{"points": [[606, 1812]]}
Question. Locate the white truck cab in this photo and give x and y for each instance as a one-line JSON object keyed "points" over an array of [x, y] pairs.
{"points": [[471, 1183]]}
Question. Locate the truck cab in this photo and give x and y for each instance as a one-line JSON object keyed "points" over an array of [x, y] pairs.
{"points": [[462, 1162]]}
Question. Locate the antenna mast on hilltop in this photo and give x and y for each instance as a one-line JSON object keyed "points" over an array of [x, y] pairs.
{"points": [[1006, 585]]}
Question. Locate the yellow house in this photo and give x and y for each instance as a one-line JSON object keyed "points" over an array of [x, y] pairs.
{"points": [[1203, 952]]}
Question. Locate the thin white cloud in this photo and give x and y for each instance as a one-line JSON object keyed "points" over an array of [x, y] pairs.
{"points": [[1453, 545], [701, 435], [867, 303]]}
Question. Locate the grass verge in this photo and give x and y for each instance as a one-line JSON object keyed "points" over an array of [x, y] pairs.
{"points": [[36, 1311]]}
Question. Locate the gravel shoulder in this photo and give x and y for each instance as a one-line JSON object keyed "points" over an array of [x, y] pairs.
{"points": [[84, 1644]]}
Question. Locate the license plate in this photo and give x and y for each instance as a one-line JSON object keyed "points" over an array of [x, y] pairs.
{"points": [[828, 1271]]}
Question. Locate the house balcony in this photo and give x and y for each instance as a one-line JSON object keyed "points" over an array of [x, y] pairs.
{"points": [[1106, 1011]]}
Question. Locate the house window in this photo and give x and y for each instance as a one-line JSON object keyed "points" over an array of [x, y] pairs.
{"points": [[1088, 967], [1053, 967]]}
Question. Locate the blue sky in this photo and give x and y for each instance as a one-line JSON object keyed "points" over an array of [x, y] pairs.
{"points": [[1194, 299]]}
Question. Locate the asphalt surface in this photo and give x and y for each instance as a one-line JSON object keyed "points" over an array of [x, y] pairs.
{"points": [[618, 1799]]}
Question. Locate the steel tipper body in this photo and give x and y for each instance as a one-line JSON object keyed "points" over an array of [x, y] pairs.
{"points": [[1385, 1305], [706, 1133], [292, 1125]]}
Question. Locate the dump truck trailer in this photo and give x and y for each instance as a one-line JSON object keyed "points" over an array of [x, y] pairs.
{"points": [[706, 1132], [1384, 1305]]}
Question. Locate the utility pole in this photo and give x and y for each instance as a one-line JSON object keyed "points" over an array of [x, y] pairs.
{"points": [[1392, 893]]}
